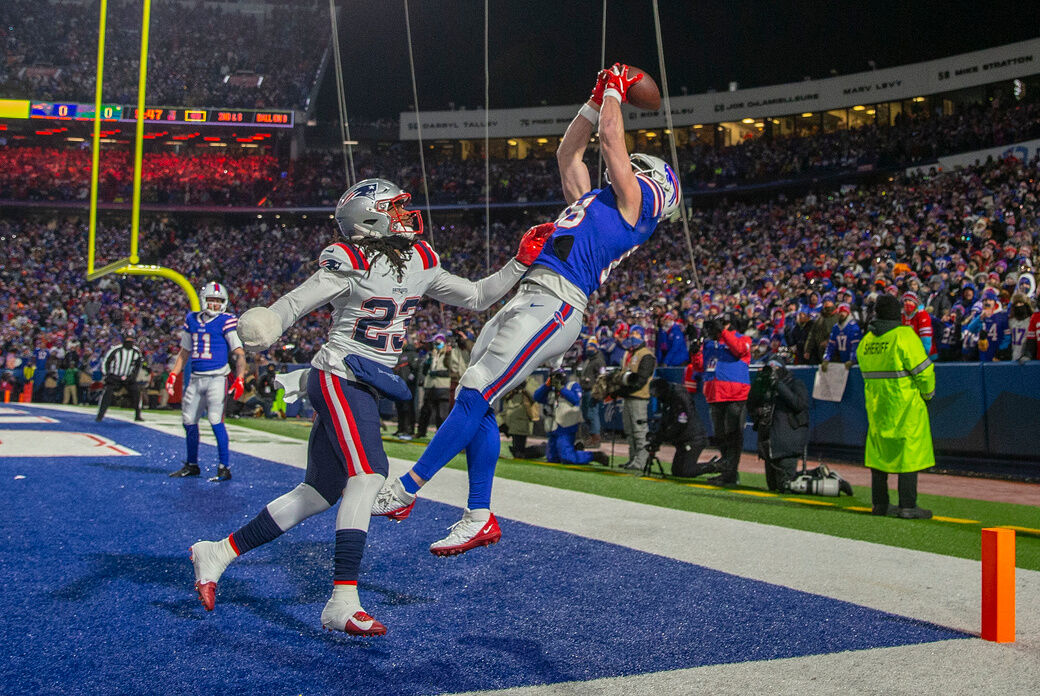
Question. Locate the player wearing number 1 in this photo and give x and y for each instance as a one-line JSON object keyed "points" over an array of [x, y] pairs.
{"points": [[374, 281], [208, 339], [593, 235]]}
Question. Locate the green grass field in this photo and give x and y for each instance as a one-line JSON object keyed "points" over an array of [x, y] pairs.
{"points": [[953, 532]]}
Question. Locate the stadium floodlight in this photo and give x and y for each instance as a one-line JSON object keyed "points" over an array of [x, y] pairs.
{"points": [[130, 264]]}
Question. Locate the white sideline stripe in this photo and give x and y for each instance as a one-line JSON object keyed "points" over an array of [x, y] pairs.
{"points": [[917, 584], [7, 420]]}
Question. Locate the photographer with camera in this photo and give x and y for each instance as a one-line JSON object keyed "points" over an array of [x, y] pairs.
{"points": [[561, 395], [592, 366], [436, 386], [779, 408], [637, 368], [679, 426], [724, 360]]}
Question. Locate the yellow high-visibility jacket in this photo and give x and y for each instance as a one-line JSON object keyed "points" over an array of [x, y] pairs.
{"points": [[898, 378]]}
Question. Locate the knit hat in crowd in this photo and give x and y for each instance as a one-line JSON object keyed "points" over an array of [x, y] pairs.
{"points": [[888, 308], [844, 307]]}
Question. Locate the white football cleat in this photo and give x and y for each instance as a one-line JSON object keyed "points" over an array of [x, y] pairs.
{"points": [[393, 501], [471, 531], [210, 558], [349, 618]]}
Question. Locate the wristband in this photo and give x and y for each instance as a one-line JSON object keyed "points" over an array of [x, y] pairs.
{"points": [[613, 94], [589, 113]]}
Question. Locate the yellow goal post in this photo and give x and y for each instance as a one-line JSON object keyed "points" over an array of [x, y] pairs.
{"points": [[129, 265]]}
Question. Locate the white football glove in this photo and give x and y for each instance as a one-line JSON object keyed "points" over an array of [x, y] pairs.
{"points": [[258, 328]]}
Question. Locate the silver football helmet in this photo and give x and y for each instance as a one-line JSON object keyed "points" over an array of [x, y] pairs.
{"points": [[662, 173], [214, 292], [376, 208]]}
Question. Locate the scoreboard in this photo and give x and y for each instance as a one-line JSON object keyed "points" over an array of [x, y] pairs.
{"points": [[163, 114]]}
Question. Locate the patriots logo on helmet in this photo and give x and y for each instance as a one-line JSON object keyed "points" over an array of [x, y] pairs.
{"points": [[368, 190]]}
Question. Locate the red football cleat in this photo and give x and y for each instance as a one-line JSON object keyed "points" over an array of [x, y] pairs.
{"points": [[350, 618], [393, 501], [468, 533]]}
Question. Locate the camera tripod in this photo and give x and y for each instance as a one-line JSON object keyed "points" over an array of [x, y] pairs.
{"points": [[651, 460]]}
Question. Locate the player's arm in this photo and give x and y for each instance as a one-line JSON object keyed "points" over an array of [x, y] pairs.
{"points": [[460, 292], [574, 174], [570, 155], [178, 367], [339, 267], [612, 145], [482, 294]]}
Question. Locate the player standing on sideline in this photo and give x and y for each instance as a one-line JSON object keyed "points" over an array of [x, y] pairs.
{"points": [[593, 235], [375, 282], [209, 339]]}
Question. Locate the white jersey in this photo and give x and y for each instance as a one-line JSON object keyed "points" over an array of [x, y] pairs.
{"points": [[372, 309]]}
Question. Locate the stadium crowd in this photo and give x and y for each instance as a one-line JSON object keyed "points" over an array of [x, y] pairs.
{"points": [[961, 246], [207, 178], [200, 54], [317, 177]]}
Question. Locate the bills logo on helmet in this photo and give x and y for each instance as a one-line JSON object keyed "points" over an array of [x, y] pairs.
{"points": [[368, 190], [673, 187]]}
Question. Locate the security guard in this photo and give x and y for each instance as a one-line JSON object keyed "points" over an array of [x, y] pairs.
{"points": [[898, 378]]}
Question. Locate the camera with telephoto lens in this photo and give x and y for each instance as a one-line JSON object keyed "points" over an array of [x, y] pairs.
{"points": [[806, 483]]}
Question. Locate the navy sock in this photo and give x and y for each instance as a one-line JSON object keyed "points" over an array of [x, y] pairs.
{"points": [[222, 443], [192, 436], [258, 531], [350, 547], [458, 429], [481, 459]]}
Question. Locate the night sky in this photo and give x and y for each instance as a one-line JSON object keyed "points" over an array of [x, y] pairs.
{"points": [[549, 50]]}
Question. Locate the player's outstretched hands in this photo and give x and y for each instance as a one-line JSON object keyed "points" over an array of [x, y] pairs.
{"points": [[171, 383], [237, 389], [596, 97], [532, 242], [619, 80], [258, 328]]}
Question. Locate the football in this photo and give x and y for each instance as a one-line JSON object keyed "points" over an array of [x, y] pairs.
{"points": [[645, 93]]}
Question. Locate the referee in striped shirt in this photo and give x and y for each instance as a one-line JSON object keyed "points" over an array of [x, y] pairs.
{"points": [[119, 369]]}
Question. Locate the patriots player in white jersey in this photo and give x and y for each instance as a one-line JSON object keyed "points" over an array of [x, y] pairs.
{"points": [[592, 236], [374, 281], [208, 340]]}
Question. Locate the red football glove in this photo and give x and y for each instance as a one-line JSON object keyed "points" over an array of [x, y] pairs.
{"points": [[532, 242], [171, 383], [619, 81], [237, 389], [601, 83]]}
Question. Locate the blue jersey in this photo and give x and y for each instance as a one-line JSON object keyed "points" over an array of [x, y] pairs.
{"points": [[841, 346], [210, 343], [994, 329], [592, 238]]}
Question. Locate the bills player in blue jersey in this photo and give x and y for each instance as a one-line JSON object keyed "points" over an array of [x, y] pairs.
{"points": [[374, 280], [209, 340], [599, 229]]}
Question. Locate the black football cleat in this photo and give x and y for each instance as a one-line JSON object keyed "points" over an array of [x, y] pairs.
{"points": [[186, 470], [223, 474]]}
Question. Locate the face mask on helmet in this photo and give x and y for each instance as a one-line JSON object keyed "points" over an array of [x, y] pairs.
{"points": [[214, 299], [377, 208]]}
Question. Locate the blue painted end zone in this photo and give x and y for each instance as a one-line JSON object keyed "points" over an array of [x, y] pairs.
{"points": [[99, 598]]}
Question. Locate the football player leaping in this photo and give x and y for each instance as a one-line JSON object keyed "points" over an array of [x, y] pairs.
{"points": [[593, 235], [375, 282], [208, 339]]}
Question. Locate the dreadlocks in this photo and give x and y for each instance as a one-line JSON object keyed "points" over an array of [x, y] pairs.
{"points": [[396, 248]]}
